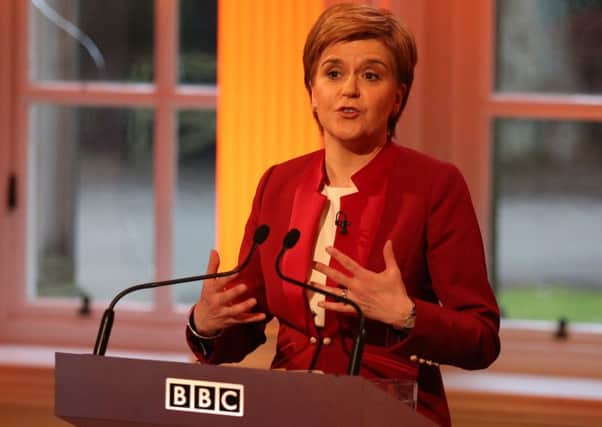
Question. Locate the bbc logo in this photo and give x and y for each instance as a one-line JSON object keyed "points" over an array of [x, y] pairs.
{"points": [[204, 396]]}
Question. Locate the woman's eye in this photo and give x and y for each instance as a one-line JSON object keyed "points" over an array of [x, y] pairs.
{"points": [[333, 74], [369, 75]]}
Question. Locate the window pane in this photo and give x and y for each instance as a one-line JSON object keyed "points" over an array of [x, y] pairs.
{"points": [[91, 216], [194, 219], [549, 46], [92, 40], [198, 41], [548, 178]]}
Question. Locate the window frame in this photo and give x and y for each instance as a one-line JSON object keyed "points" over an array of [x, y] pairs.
{"points": [[450, 115], [525, 343], [6, 170], [50, 321]]}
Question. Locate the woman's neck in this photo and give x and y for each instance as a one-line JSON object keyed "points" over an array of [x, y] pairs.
{"points": [[342, 162]]}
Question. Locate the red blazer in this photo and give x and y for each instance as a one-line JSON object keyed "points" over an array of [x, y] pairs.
{"points": [[424, 207]]}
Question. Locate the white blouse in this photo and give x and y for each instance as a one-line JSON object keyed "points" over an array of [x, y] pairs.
{"points": [[326, 238]]}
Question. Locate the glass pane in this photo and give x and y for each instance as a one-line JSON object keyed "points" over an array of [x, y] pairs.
{"points": [[548, 256], [91, 229], [198, 41], [549, 46], [194, 218], [92, 40]]}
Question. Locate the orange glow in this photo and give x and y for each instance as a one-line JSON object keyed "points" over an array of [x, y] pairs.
{"points": [[263, 111]]}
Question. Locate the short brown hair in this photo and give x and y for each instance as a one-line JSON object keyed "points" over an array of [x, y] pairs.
{"points": [[347, 22]]}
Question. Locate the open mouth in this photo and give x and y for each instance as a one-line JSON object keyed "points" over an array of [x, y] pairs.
{"points": [[348, 110]]}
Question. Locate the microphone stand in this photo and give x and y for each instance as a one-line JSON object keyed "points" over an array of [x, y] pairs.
{"points": [[106, 324], [290, 240]]}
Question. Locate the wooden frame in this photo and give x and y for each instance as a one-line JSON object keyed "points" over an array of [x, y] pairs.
{"points": [[137, 324], [451, 110], [6, 136]]}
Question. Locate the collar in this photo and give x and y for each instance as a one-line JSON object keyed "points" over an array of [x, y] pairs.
{"points": [[367, 179], [370, 178]]}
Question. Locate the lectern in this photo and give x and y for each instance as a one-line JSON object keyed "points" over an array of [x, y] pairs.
{"points": [[100, 391]]}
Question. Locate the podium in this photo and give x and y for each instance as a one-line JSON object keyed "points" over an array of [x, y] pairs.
{"points": [[98, 391]]}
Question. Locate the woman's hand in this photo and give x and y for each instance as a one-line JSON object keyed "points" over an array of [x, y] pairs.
{"points": [[381, 296], [217, 308]]}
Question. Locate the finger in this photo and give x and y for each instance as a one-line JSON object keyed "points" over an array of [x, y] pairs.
{"points": [[212, 267], [389, 256], [232, 293], [336, 306], [213, 263], [328, 289], [235, 310], [321, 286], [332, 273], [347, 262], [224, 282]]}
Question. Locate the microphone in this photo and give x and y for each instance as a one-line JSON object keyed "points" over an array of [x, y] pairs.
{"points": [[290, 240], [104, 330], [341, 222]]}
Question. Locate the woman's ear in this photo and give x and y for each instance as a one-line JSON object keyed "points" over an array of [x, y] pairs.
{"points": [[314, 104], [399, 94]]}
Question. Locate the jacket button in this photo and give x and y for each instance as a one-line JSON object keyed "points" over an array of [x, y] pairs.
{"points": [[326, 340], [313, 340], [421, 360], [413, 358]]}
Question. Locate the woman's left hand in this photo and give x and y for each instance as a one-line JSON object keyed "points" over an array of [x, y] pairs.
{"points": [[381, 296]]}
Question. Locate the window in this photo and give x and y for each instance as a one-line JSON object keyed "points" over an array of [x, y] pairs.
{"points": [[502, 91], [114, 160], [548, 212], [547, 165]]}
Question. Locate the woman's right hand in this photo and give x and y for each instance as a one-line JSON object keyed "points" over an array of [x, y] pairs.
{"points": [[217, 307]]}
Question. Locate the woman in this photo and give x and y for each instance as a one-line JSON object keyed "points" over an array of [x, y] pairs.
{"points": [[386, 226]]}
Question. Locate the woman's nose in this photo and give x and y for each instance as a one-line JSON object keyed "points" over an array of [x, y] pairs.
{"points": [[350, 87]]}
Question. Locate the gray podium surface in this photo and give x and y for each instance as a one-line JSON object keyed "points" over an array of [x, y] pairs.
{"points": [[103, 391]]}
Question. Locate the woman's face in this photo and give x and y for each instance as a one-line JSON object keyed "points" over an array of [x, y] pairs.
{"points": [[354, 92]]}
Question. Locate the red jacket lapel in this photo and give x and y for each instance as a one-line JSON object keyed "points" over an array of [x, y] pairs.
{"points": [[307, 209]]}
